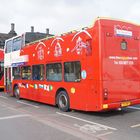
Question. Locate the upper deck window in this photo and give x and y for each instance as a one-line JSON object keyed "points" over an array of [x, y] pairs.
{"points": [[8, 46], [17, 43]]}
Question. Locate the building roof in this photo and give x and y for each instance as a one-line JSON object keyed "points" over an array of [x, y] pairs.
{"points": [[5, 36]]}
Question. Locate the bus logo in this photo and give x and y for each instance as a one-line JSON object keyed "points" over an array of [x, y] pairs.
{"points": [[81, 44], [40, 50], [57, 46], [40, 53]]}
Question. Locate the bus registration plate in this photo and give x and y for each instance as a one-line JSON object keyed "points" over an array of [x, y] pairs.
{"points": [[124, 104]]}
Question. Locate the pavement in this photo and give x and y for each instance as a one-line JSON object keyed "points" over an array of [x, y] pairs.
{"points": [[28, 120]]}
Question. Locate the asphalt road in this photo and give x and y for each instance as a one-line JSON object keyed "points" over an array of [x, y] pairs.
{"points": [[28, 120]]}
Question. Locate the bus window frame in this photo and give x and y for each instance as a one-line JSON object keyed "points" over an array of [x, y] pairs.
{"points": [[43, 73], [77, 80], [20, 73], [10, 49], [61, 72], [21, 40], [30, 75]]}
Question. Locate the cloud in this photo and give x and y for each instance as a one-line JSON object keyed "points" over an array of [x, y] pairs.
{"points": [[63, 15]]}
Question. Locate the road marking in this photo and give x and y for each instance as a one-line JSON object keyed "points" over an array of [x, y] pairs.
{"points": [[3, 97], [27, 104], [14, 116], [90, 128], [132, 107], [104, 134], [80, 119], [136, 125]]}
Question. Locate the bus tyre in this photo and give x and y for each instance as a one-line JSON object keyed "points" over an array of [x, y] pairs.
{"points": [[63, 101], [17, 92]]}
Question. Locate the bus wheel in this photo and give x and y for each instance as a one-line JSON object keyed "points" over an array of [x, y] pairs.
{"points": [[17, 92], [63, 101]]}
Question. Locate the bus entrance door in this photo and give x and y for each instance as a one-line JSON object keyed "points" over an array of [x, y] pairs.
{"points": [[8, 80]]}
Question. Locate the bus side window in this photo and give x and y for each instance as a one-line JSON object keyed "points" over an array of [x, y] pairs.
{"points": [[26, 72], [16, 72], [72, 71], [54, 72], [38, 72]]}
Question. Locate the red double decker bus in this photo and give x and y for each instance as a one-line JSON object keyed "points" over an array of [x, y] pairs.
{"points": [[1, 69], [93, 69]]}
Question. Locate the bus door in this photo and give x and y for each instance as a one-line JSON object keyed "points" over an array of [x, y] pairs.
{"points": [[8, 79], [1, 74]]}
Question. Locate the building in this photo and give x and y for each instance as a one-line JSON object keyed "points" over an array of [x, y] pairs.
{"points": [[30, 36], [33, 36], [4, 36]]}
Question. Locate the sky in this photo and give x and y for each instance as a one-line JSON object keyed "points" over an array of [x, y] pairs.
{"points": [[63, 15]]}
